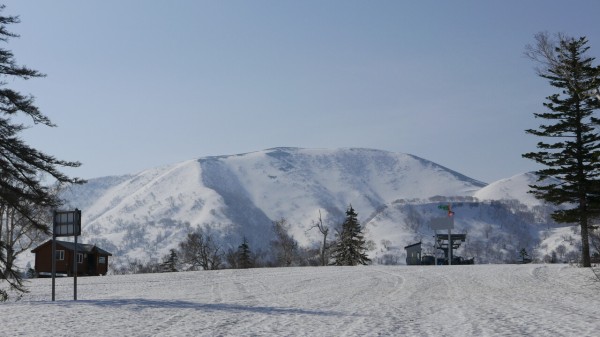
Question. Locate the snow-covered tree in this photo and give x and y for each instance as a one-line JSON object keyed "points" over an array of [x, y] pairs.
{"points": [[350, 248]]}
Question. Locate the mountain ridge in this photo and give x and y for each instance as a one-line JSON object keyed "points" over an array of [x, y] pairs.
{"points": [[141, 216]]}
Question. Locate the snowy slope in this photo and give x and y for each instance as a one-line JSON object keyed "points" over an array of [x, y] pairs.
{"points": [[483, 300], [296, 183], [143, 215], [396, 195], [496, 230], [513, 188]]}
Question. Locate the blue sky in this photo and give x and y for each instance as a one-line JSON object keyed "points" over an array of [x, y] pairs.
{"points": [[138, 84]]}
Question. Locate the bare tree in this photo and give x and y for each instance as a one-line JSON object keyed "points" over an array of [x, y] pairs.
{"points": [[324, 230], [487, 229], [284, 245], [200, 250], [595, 240], [18, 233], [561, 250], [546, 54]]}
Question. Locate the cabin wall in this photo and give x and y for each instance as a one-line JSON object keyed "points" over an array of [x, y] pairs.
{"points": [[413, 255], [90, 265], [101, 268]]}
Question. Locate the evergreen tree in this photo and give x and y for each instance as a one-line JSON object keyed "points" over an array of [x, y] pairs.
{"points": [[524, 256], [23, 169], [572, 149], [244, 255], [350, 248], [170, 262], [30, 273]]}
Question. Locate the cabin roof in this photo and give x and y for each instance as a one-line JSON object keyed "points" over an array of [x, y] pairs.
{"points": [[81, 247], [414, 244]]}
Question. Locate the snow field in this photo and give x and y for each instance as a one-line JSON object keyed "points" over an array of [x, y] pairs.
{"points": [[480, 300]]}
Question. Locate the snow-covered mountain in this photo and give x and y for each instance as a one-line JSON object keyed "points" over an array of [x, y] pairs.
{"points": [[143, 215], [513, 188]]}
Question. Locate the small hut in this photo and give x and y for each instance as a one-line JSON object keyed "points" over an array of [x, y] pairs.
{"points": [[413, 254], [91, 260]]}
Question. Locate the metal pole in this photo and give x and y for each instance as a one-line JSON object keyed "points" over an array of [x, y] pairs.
{"points": [[449, 247], [53, 265], [75, 276], [53, 255], [435, 247]]}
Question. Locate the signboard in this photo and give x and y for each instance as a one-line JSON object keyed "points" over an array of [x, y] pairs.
{"points": [[67, 223], [446, 222]]}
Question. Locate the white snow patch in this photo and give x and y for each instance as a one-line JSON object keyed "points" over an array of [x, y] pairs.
{"points": [[484, 300]]}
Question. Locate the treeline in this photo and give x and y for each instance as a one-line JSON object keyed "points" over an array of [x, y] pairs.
{"points": [[202, 249]]}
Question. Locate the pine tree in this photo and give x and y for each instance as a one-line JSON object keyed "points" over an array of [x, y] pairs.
{"points": [[350, 249], [30, 272], [170, 262], [524, 256], [244, 255], [23, 169], [572, 149]]}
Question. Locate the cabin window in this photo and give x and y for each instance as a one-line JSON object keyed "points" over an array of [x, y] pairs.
{"points": [[79, 258], [60, 255], [102, 260]]}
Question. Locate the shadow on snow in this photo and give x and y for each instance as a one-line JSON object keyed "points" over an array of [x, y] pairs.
{"points": [[140, 304]]}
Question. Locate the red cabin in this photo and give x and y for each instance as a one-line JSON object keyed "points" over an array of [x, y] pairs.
{"points": [[91, 260]]}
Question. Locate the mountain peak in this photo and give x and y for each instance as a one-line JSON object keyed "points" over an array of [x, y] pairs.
{"points": [[240, 195]]}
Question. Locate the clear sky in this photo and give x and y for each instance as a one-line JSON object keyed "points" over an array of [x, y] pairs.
{"points": [[138, 84]]}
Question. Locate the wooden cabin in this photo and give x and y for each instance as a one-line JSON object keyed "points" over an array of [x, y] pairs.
{"points": [[413, 254], [91, 260]]}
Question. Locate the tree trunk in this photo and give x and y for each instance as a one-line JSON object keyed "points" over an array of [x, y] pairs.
{"points": [[323, 249], [585, 242]]}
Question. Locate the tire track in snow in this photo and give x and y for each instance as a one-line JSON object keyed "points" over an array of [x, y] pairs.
{"points": [[379, 288], [508, 305], [432, 306], [483, 300]]}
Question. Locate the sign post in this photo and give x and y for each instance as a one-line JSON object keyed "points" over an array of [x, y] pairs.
{"points": [[446, 222], [65, 223]]}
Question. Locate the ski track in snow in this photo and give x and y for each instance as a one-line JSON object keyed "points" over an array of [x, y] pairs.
{"points": [[481, 300]]}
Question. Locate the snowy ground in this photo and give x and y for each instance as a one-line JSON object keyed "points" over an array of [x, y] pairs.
{"points": [[481, 300]]}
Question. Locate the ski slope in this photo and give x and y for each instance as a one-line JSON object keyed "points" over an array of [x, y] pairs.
{"points": [[481, 300]]}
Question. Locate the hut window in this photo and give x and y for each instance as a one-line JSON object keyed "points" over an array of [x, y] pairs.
{"points": [[102, 260], [79, 258], [60, 255]]}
